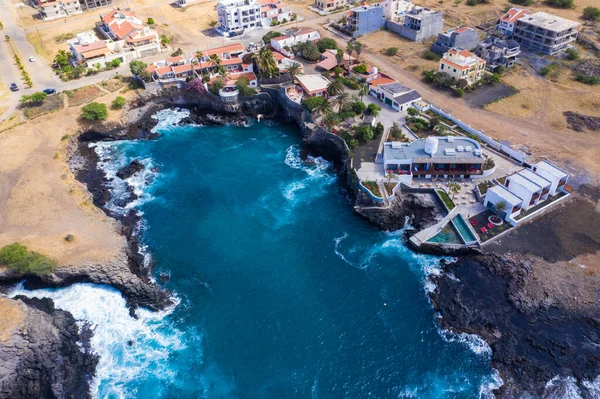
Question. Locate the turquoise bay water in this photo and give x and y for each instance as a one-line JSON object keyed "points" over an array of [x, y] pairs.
{"points": [[283, 292]]}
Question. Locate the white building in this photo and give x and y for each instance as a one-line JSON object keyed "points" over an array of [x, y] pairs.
{"points": [[462, 64], [313, 85], [284, 43], [556, 176], [506, 25], [397, 96], [237, 16], [392, 9], [434, 156], [50, 10], [510, 203], [524, 188]]}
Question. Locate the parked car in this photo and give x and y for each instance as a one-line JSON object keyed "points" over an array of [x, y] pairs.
{"points": [[49, 91], [32, 59], [14, 87]]}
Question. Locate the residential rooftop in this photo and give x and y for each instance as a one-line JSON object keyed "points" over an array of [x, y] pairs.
{"points": [[534, 177], [313, 82], [549, 21], [502, 192], [513, 14], [551, 169], [395, 88], [524, 182]]}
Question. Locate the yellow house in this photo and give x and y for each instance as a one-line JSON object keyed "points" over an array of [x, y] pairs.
{"points": [[462, 64]]}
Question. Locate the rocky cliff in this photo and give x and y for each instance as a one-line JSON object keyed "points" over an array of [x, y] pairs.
{"points": [[43, 353]]}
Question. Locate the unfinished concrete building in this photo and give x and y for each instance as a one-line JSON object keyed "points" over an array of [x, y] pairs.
{"points": [[91, 4], [463, 37], [497, 52], [418, 24], [545, 32]]}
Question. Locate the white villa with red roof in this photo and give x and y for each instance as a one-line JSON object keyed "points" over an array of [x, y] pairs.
{"points": [[462, 64], [507, 23], [125, 38], [284, 43]]}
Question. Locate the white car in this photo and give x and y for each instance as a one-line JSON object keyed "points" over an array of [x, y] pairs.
{"points": [[32, 59]]}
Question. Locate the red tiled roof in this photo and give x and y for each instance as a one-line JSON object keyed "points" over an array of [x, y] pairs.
{"points": [[463, 29], [513, 14], [383, 80], [139, 38], [151, 68], [163, 70], [278, 56], [182, 68], [110, 17], [230, 48], [175, 59], [82, 48]]}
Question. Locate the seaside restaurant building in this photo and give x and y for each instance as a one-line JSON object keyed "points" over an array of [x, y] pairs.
{"points": [[446, 156]]}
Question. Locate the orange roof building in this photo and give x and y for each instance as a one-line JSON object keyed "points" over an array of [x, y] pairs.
{"points": [[462, 64]]}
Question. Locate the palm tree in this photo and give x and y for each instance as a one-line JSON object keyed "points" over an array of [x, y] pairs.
{"points": [[339, 56], [330, 120], [294, 70], [340, 100], [322, 109], [349, 50], [335, 87], [215, 61], [358, 47], [454, 188], [199, 55], [266, 62], [501, 206], [363, 90]]}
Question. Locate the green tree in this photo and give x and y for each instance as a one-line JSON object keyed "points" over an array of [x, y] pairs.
{"points": [[116, 62], [412, 111], [150, 21], [266, 63], [330, 120], [339, 56], [591, 13], [374, 109], [501, 206], [138, 68], [310, 51], [217, 85], [243, 85], [118, 103], [94, 111], [326, 44], [271, 35], [359, 107], [572, 54], [349, 50], [294, 70], [322, 108], [62, 58], [35, 98], [335, 87], [340, 100], [391, 51], [358, 48], [313, 103], [364, 133], [458, 92], [454, 189], [18, 258]]}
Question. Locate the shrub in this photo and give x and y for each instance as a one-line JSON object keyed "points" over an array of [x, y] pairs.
{"points": [[471, 2], [94, 111], [18, 258], [591, 13], [391, 51], [327, 43], [522, 2], [347, 114], [118, 102], [150, 21], [431, 56], [396, 131], [310, 51], [313, 102], [364, 133], [551, 71], [378, 131], [35, 98], [429, 75], [412, 111], [243, 85], [217, 85], [359, 107], [350, 84], [374, 109], [588, 80], [560, 3], [271, 35], [360, 69], [458, 92], [572, 54]]}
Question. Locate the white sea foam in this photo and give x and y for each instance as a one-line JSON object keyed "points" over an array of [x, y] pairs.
{"points": [[487, 387], [167, 118], [153, 338], [472, 341], [336, 249], [562, 388]]}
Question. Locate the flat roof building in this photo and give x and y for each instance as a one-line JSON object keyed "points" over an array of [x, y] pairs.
{"points": [[545, 32], [556, 176], [464, 37], [502, 201], [313, 85]]}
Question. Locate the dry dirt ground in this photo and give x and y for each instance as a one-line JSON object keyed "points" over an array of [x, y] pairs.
{"points": [[41, 202], [11, 315]]}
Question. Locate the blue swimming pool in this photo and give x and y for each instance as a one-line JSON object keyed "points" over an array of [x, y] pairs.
{"points": [[464, 230], [448, 235]]}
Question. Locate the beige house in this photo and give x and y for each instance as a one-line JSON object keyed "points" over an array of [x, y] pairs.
{"points": [[462, 64], [330, 5]]}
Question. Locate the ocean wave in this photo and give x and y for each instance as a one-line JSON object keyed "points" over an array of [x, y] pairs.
{"points": [[167, 118], [486, 389], [562, 388], [129, 348], [472, 341]]}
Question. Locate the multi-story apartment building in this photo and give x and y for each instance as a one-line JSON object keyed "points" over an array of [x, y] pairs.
{"points": [[462, 64], [273, 10], [237, 16], [50, 10], [498, 52], [545, 32], [418, 24], [364, 19], [463, 37], [507, 22], [91, 4], [284, 43]]}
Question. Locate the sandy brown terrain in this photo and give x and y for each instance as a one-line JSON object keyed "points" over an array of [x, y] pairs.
{"points": [[41, 202], [11, 315]]}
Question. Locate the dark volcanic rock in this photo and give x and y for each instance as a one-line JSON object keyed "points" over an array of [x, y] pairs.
{"points": [[47, 356], [421, 209], [532, 341], [134, 167], [579, 122]]}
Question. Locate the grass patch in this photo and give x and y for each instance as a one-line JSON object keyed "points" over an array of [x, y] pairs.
{"points": [[446, 199], [20, 259], [51, 103], [483, 187], [372, 187], [38, 46], [84, 95], [113, 84]]}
